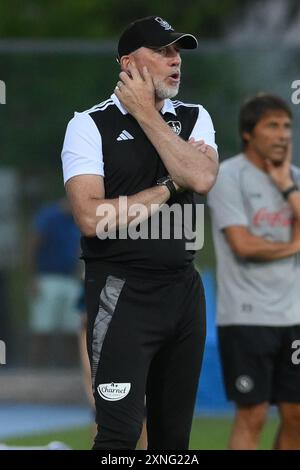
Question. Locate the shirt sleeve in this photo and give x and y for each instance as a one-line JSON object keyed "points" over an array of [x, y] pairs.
{"points": [[204, 129], [82, 148], [226, 202]]}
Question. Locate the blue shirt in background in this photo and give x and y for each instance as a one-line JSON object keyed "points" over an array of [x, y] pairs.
{"points": [[59, 250]]}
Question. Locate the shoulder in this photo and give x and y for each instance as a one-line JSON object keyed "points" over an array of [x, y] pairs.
{"points": [[296, 172], [181, 104], [99, 107], [233, 166], [228, 183], [229, 173], [187, 109], [86, 118]]}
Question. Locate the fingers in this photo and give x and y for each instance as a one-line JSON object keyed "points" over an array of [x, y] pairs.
{"points": [[198, 144], [135, 90], [124, 77], [135, 74], [117, 91], [147, 77], [118, 88], [122, 83]]}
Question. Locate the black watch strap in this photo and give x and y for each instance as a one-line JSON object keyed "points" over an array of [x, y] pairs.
{"points": [[289, 190], [167, 181], [171, 187]]}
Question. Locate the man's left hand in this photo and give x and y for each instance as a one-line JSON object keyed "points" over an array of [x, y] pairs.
{"points": [[198, 144]]}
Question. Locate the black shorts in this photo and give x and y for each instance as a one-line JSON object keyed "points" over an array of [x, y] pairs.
{"points": [[145, 337], [257, 363]]}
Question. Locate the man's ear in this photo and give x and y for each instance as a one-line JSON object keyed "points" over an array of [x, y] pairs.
{"points": [[246, 136], [124, 62]]}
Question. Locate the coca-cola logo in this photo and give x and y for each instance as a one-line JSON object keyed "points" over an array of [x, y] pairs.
{"points": [[282, 218]]}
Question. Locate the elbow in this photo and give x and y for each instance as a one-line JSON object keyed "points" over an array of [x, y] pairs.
{"points": [[241, 251], [87, 226], [203, 185], [207, 177]]}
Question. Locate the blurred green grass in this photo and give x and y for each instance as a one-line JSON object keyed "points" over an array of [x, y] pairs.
{"points": [[207, 434]]}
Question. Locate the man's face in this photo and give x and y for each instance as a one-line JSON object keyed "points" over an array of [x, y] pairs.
{"points": [[164, 67], [271, 136]]}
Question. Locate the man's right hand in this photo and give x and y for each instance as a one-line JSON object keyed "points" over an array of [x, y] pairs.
{"points": [[136, 91]]}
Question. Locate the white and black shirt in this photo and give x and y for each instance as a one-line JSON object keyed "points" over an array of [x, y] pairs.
{"points": [[107, 141]]}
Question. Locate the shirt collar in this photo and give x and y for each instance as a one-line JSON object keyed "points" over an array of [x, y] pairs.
{"points": [[118, 104], [168, 106]]}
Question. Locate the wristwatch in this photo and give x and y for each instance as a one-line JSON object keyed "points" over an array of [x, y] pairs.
{"points": [[290, 190], [167, 181]]}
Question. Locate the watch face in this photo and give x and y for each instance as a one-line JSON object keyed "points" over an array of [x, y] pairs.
{"points": [[163, 180]]}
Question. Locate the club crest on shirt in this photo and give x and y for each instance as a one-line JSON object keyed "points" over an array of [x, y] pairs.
{"points": [[175, 126]]}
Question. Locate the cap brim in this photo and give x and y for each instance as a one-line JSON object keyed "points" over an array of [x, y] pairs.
{"points": [[185, 41]]}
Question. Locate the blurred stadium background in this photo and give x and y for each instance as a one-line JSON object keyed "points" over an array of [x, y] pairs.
{"points": [[57, 57]]}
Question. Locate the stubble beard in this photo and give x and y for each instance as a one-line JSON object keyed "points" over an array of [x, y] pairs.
{"points": [[163, 92]]}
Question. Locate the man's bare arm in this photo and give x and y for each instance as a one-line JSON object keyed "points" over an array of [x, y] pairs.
{"points": [[87, 195], [188, 166], [246, 245]]}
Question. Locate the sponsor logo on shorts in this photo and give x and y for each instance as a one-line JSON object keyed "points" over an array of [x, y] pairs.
{"points": [[244, 384], [114, 391]]}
